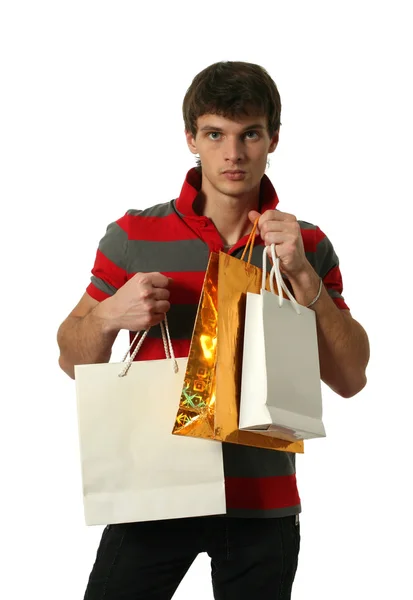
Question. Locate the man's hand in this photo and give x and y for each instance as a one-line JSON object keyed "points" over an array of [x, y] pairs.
{"points": [[283, 230], [139, 304]]}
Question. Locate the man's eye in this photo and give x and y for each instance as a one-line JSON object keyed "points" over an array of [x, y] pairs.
{"points": [[214, 135], [251, 135]]}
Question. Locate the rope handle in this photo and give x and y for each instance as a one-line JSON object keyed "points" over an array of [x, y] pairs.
{"points": [[250, 243], [167, 344], [275, 273]]}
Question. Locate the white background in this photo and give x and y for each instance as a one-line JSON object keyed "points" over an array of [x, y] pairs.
{"points": [[91, 126]]}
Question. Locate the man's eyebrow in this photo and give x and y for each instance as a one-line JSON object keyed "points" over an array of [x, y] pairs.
{"points": [[219, 129]]}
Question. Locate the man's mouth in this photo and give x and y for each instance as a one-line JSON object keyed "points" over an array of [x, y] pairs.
{"points": [[234, 174]]}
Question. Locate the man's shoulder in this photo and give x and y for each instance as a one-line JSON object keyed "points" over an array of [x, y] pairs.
{"points": [[135, 217], [165, 209], [315, 240], [305, 225], [159, 222]]}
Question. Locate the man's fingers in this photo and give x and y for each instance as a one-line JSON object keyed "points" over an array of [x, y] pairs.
{"points": [[161, 294], [162, 307], [276, 238], [156, 318], [291, 228], [253, 215], [156, 280], [283, 216], [275, 216], [269, 226]]}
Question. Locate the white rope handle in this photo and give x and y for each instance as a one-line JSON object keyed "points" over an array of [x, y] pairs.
{"points": [[144, 334], [166, 338], [276, 273], [167, 344]]}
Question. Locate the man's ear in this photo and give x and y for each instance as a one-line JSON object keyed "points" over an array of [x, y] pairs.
{"points": [[274, 141], [190, 140]]}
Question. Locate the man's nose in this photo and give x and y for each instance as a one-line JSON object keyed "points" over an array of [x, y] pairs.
{"points": [[234, 150]]}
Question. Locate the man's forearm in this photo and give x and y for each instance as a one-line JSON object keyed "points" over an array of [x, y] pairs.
{"points": [[85, 340], [342, 342]]}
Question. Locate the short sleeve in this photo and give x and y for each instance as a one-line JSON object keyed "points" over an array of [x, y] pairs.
{"points": [[109, 272], [327, 267]]}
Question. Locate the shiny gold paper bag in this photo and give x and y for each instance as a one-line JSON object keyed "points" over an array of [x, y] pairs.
{"points": [[209, 403]]}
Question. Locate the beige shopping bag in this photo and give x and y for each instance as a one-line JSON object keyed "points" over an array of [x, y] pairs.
{"points": [[280, 386], [133, 468]]}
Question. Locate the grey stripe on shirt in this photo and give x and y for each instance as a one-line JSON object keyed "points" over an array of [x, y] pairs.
{"points": [[245, 461]]}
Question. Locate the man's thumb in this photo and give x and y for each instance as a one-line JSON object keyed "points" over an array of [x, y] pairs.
{"points": [[253, 215]]}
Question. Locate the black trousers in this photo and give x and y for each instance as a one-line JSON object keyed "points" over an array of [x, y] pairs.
{"points": [[250, 558]]}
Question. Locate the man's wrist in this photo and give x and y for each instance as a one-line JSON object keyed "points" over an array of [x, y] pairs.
{"points": [[103, 314], [306, 285]]}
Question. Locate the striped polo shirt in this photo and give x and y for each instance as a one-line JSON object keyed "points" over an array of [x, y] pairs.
{"points": [[171, 238]]}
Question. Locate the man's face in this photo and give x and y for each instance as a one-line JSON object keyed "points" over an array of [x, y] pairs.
{"points": [[233, 153]]}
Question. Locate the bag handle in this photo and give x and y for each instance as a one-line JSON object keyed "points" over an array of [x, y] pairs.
{"points": [[167, 344], [250, 243], [276, 273]]}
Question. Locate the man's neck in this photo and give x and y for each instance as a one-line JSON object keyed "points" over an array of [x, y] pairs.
{"points": [[228, 213]]}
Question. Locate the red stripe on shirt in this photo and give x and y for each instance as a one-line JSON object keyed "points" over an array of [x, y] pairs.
{"points": [[267, 493], [95, 293], [333, 281], [108, 271], [159, 229], [185, 287], [153, 348], [310, 239], [339, 302]]}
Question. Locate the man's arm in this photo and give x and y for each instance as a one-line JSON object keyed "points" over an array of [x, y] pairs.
{"points": [[84, 336], [88, 333], [343, 344]]}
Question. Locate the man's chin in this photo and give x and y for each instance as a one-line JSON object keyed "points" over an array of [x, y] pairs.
{"points": [[235, 188]]}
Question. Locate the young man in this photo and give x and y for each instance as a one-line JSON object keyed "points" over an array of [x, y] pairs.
{"points": [[153, 261]]}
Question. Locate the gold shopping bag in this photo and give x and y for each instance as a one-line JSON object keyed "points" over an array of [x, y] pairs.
{"points": [[209, 403]]}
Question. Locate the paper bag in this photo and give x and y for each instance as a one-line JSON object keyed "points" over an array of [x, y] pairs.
{"points": [[133, 468], [281, 387], [209, 403]]}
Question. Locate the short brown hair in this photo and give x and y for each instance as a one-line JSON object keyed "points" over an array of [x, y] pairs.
{"points": [[231, 89]]}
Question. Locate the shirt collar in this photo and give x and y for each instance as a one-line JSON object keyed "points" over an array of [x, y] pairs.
{"points": [[192, 185]]}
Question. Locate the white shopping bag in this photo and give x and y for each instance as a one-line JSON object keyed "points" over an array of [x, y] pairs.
{"points": [[133, 468], [280, 384]]}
